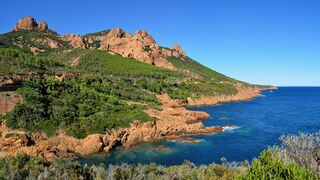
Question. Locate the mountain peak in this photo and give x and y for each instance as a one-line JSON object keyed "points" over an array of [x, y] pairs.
{"points": [[29, 23]]}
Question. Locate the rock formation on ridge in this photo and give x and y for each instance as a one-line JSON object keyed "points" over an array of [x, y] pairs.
{"points": [[29, 23], [139, 46]]}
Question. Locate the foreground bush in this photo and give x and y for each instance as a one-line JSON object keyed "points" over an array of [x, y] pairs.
{"points": [[303, 150], [26, 167], [272, 166]]}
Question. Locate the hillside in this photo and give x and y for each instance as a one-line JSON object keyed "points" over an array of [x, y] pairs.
{"points": [[101, 83]]}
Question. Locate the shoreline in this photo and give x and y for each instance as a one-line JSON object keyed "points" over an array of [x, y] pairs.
{"points": [[174, 121]]}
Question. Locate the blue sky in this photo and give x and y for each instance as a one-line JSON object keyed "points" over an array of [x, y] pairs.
{"points": [[259, 41]]}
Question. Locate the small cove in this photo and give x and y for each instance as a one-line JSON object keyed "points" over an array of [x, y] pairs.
{"points": [[288, 110]]}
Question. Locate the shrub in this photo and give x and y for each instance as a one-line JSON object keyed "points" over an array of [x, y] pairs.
{"points": [[271, 165]]}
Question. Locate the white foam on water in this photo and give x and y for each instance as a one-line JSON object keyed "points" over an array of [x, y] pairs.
{"points": [[229, 128]]}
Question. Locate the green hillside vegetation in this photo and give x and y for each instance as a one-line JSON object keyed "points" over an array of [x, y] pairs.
{"points": [[198, 69], [94, 95], [99, 91], [16, 62], [31, 38], [273, 163]]}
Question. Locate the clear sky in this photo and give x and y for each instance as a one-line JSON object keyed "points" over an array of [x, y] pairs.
{"points": [[259, 41]]}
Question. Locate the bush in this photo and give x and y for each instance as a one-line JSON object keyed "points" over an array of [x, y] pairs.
{"points": [[26, 167], [272, 166]]}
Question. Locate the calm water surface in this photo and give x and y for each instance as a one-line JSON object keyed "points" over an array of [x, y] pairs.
{"points": [[261, 121]]}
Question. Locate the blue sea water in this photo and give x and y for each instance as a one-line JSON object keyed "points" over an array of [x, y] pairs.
{"points": [[288, 110]]}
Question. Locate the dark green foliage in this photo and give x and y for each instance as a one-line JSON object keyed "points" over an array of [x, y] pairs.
{"points": [[82, 106]]}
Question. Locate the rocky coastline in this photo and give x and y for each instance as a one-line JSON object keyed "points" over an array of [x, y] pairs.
{"points": [[174, 121]]}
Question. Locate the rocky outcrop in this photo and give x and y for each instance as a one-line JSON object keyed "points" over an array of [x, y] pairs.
{"points": [[178, 51], [140, 46], [172, 122], [29, 23], [75, 41], [59, 146]]}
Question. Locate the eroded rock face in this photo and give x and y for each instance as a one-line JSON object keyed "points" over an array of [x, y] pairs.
{"points": [[76, 41], [29, 23]]}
